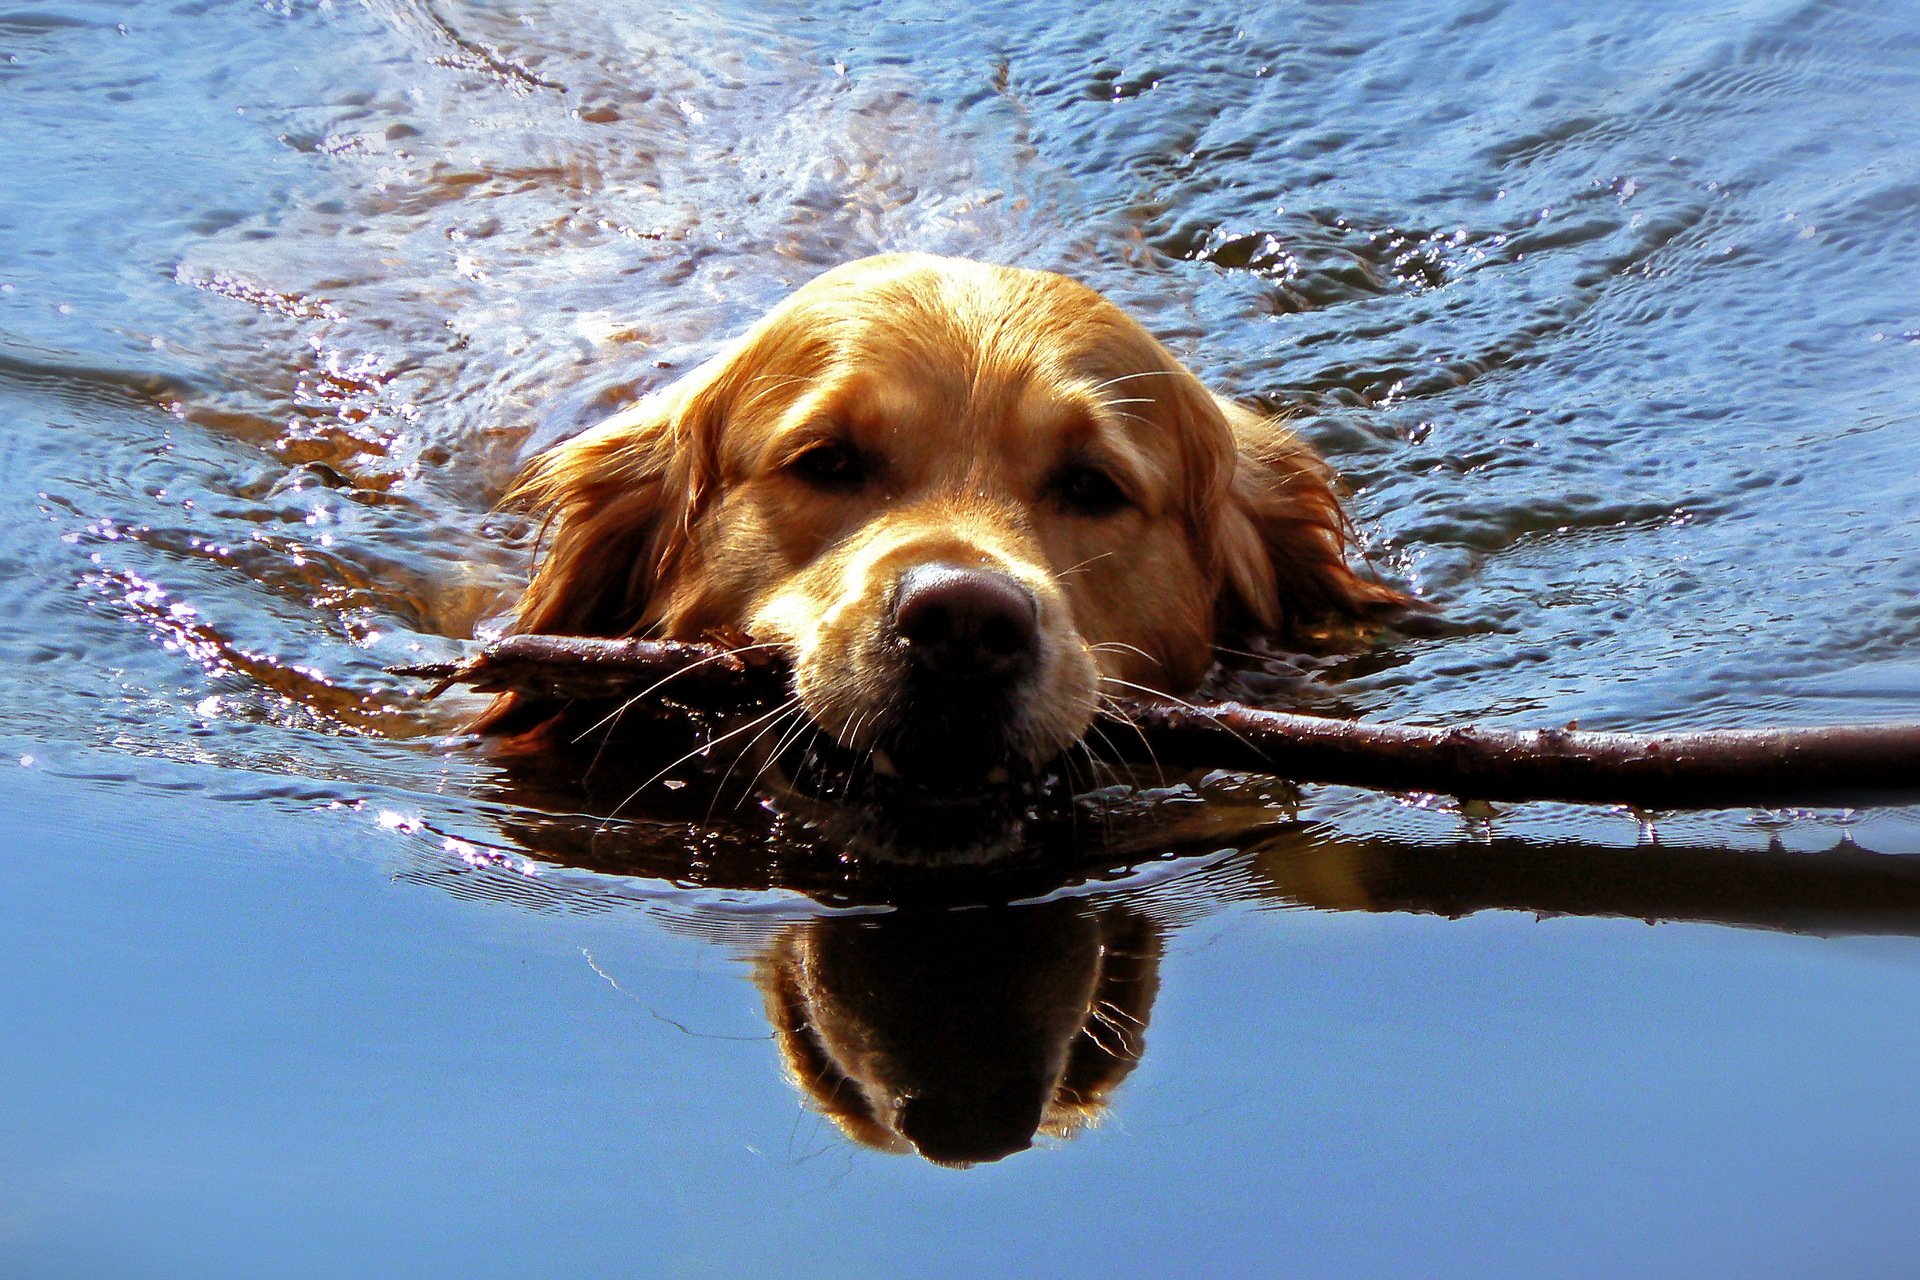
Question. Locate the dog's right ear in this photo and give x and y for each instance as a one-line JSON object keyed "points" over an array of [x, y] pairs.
{"points": [[616, 506]]}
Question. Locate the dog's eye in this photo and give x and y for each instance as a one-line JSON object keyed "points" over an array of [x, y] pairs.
{"points": [[831, 465], [1087, 490]]}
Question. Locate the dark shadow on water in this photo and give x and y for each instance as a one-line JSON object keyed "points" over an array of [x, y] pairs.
{"points": [[663, 813]]}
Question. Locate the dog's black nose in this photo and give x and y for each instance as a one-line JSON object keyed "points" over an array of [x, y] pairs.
{"points": [[966, 624]]}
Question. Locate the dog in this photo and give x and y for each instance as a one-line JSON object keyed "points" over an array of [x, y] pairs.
{"points": [[969, 503]]}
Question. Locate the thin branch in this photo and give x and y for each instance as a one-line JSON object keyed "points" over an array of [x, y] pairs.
{"points": [[561, 667]]}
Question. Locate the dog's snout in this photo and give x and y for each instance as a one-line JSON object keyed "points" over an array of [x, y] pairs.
{"points": [[962, 623]]}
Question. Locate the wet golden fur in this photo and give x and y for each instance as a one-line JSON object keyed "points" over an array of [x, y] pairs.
{"points": [[971, 390]]}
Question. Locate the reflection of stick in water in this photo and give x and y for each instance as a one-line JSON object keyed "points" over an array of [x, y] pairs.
{"points": [[1845, 890], [1659, 771]]}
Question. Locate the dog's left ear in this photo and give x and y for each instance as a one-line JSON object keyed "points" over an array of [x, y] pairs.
{"points": [[1285, 544]]}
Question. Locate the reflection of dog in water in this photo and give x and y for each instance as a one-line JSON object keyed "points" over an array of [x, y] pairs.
{"points": [[969, 503], [962, 1035]]}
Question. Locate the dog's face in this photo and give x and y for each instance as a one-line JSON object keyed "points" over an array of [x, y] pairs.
{"points": [[968, 501]]}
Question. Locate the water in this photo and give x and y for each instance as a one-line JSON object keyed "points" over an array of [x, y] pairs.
{"points": [[1607, 315]]}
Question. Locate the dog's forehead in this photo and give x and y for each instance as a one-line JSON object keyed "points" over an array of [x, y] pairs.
{"points": [[949, 361], [1023, 416]]}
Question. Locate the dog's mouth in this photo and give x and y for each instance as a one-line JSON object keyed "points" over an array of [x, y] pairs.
{"points": [[929, 789], [899, 768]]}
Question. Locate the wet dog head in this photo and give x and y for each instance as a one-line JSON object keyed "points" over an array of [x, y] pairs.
{"points": [[967, 501]]}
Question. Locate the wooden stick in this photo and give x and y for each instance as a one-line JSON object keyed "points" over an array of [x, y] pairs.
{"points": [[1708, 769], [1680, 770], [701, 675]]}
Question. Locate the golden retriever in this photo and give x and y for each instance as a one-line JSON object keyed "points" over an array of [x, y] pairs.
{"points": [[967, 501]]}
